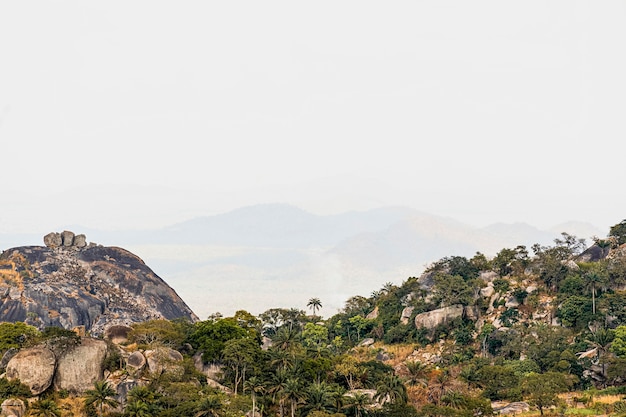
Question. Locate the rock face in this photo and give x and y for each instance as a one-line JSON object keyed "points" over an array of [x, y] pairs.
{"points": [[34, 367], [434, 318], [79, 368], [82, 285]]}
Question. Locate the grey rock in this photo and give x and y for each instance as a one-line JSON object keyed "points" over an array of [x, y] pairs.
{"points": [[406, 315], [434, 318], [67, 238], [117, 333], [512, 408], [34, 367], [95, 287], [79, 368], [373, 314], [13, 407], [53, 240], [164, 360], [487, 292], [80, 241], [136, 360], [367, 342]]}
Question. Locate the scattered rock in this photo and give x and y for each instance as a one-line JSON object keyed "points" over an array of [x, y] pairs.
{"points": [[34, 367], [163, 360], [373, 314], [489, 276], [367, 342], [512, 408], [487, 291], [406, 315], [511, 302], [13, 407], [136, 360]]}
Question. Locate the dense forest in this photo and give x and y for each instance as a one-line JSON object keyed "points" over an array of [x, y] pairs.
{"points": [[544, 325]]}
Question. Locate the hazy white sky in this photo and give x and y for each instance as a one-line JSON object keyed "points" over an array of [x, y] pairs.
{"points": [[150, 112]]}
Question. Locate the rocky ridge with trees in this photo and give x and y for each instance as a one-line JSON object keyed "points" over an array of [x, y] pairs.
{"points": [[541, 328]]}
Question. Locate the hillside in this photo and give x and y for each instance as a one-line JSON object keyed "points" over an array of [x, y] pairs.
{"points": [[70, 283], [540, 328]]}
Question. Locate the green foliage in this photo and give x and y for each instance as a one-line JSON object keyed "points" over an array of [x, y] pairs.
{"points": [[501, 285], [499, 382], [13, 389], [16, 335], [575, 311], [619, 232], [210, 336], [542, 389], [451, 289], [618, 346], [45, 408], [159, 332]]}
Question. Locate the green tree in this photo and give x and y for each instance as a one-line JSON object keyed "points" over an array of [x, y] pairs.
{"points": [[256, 387], [451, 289], [314, 304], [391, 389], [45, 408], [209, 336], [593, 280], [240, 355], [318, 397], [210, 406], [542, 389], [159, 331], [294, 393], [618, 346], [138, 408], [358, 403], [619, 232], [417, 373], [360, 323], [101, 396], [15, 335]]}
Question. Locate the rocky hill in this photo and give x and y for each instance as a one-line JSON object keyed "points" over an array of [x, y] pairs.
{"points": [[70, 283]]}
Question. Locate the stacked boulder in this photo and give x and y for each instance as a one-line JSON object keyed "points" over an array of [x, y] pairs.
{"points": [[65, 239]]}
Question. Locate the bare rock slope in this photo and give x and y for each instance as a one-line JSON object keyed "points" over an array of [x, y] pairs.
{"points": [[69, 283]]}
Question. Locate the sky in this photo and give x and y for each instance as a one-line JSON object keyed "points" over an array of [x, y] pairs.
{"points": [[140, 114]]}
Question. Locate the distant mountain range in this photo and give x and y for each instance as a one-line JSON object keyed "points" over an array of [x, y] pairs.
{"points": [[277, 255]]}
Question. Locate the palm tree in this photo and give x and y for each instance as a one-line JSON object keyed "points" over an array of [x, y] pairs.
{"points": [[593, 279], [314, 304], [277, 388], [210, 406], [391, 389], [100, 397], [293, 393], [138, 408], [318, 397], [418, 374], [255, 386], [45, 408], [359, 403]]}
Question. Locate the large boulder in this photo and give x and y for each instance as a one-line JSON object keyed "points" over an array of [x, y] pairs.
{"points": [[79, 368], [53, 240], [117, 333], [434, 318], [34, 367], [13, 407], [136, 361], [162, 360], [67, 237]]}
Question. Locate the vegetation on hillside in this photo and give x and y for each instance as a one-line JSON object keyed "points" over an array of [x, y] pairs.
{"points": [[538, 322]]}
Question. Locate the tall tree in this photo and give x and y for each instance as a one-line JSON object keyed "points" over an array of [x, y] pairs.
{"points": [[255, 386], [314, 304], [358, 402], [390, 389], [593, 280]]}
